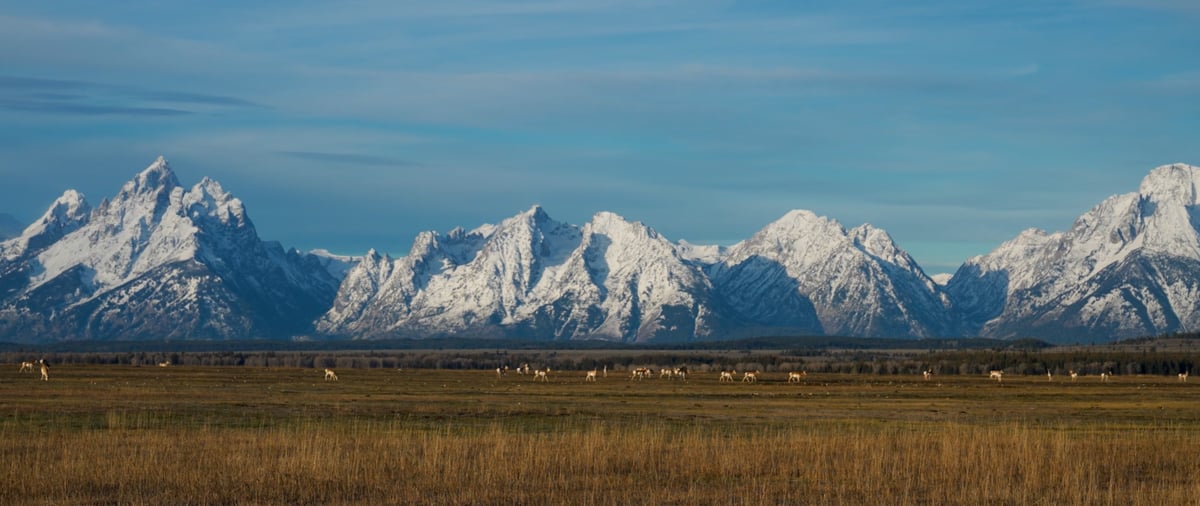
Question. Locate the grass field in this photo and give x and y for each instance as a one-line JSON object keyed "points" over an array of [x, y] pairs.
{"points": [[244, 435]]}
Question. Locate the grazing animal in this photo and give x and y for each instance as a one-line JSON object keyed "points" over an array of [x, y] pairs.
{"points": [[330, 375], [606, 371], [997, 375], [927, 374], [542, 374], [1183, 377], [681, 373], [750, 376], [640, 373], [26, 367], [1074, 374], [794, 377], [45, 370], [591, 375], [165, 364], [1104, 376], [1049, 376], [727, 376], [500, 372]]}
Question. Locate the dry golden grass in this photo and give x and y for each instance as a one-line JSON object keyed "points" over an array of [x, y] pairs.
{"points": [[95, 435]]}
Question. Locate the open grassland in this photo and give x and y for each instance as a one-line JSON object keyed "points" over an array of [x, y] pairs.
{"points": [[249, 435]]}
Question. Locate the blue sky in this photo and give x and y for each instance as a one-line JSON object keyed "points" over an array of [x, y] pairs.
{"points": [[354, 125]]}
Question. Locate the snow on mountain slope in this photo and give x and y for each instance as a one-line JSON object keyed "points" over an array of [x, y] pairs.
{"points": [[623, 282], [65, 215], [156, 261], [1127, 267], [529, 276], [337, 265], [619, 280], [701, 254], [807, 273]]}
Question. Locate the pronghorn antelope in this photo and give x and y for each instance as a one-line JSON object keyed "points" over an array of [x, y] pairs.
{"points": [[591, 375], [500, 372], [1074, 374], [165, 364], [681, 373], [997, 375], [674, 372], [927, 374], [330, 375], [727, 376], [524, 369], [45, 370], [26, 367], [1049, 376], [542, 374], [794, 377], [1183, 376], [1104, 376], [750, 376], [606, 371], [640, 373]]}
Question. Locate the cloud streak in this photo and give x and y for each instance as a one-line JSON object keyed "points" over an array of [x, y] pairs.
{"points": [[348, 159], [86, 98]]}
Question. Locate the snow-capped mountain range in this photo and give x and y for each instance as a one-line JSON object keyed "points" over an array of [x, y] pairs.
{"points": [[159, 261], [1128, 267]]}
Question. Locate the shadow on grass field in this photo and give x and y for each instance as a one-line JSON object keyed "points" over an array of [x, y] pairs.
{"points": [[241, 435]]}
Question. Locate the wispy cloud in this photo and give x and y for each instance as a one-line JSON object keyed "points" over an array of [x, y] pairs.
{"points": [[1183, 83], [60, 96], [348, 158], [1178, 6], [69, 107]]}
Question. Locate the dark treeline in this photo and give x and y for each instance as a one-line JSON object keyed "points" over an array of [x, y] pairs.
{"points": [[811, 343], [1087, 361], [1163, 355]]}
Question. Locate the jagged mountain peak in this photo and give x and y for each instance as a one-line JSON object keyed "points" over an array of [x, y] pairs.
{"points": [[800, 236], [157, 262], [372, 255], [425, 243], [608, 222], [1126, 267], [536, 211], [526, 221], [67, 213], [209, 198], [71, 207], [797, 227], [878, 243], [534, 217], [1117, 271], [803, 219], [154, 178], [856, 282], [1177, 182]]}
